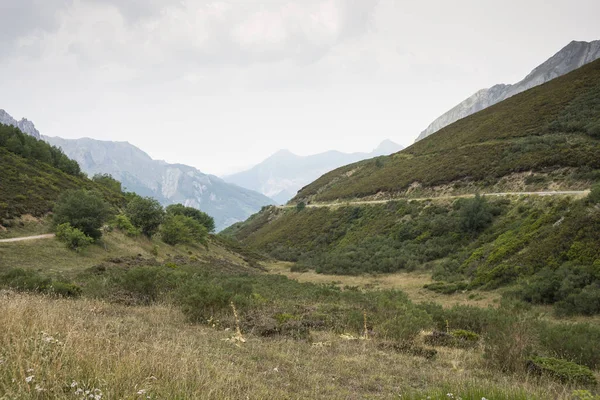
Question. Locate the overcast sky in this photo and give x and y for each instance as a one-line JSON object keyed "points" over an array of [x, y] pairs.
{"points": [[223, 84]]}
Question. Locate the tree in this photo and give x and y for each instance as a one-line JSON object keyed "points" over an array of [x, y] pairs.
{"points": [[301, 206], [594, 196], [108, 182], [84, 210], [475, 214], [145, 213], [203, 218], [178, 229]]}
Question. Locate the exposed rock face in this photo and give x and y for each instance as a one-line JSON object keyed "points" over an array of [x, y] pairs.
{"points": [[284, 173], [168, 183], [573, 56], [24, 125]]}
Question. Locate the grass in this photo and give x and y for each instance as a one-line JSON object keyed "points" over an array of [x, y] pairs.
{"points": [[26, 225], [123, 351], [410, 283], [54, 258]]}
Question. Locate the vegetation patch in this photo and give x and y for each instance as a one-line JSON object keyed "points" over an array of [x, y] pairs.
{"points": [[564, 371]]}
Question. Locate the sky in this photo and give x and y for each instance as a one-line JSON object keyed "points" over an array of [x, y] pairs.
{"points": [[221, 85]]}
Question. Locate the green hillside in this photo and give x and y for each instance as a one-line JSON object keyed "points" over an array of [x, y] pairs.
{"points": [[553, 130], [34, 174], [547, 247]]}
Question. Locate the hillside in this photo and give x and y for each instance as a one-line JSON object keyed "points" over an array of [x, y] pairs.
{"points": [[547, 138], [34, 174], [168, 183], [573, 56], [552, 130], [284, 173]]}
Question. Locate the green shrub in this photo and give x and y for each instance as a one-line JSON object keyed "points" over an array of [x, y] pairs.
{"points": [[27, 281], [510, 343], [464, 335], [63, 289], [204, 219], [178, 229], [145, 213], [82, 209], [201, 301], [72, 237], [564, 371], [576, 342], [123, 224], [594, 196]]}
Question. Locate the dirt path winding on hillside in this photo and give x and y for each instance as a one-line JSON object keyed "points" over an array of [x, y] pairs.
{"points": [[363, 202], [21, 239]]}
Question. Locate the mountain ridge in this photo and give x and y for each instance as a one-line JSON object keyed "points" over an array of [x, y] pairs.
{"points": [[283, 173], [24, 124], [574, 55]]}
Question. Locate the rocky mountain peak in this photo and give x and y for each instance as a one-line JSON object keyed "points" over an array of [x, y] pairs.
{"points": [[24, 124], [574, 55]]}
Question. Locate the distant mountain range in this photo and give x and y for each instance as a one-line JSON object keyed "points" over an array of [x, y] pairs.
{"points": [[574, 55], [24, 125], [168, 183], [284, 173]]}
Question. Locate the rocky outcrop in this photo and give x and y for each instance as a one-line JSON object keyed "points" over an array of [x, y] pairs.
{"points": [[573, 56], [24, 124]]}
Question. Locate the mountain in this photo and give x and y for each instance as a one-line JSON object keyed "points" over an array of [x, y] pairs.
{"points": [[168, 183], [24, 125], [544, 139], [571, 57], [284, 173]]}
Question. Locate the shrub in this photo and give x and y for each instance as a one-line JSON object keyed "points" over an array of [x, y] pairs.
{"points": [[204, 219], [574, 342], [147, 284], [72, 237], [594, 196], [123, 224], [27, 281], [564, 371], [510, 343], [475, 214], [464, 335], [145, 213], [201, 301], [63, 289], [82, 209], [300, 206], [177, 229]]}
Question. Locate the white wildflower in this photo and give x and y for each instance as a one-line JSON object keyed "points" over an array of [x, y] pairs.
{"points": [[141, 391], [29, 378], [39, 388], [74, 384]]}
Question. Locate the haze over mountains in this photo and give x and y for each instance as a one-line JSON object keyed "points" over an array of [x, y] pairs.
{"points": [[574, 55], [284, 173]]}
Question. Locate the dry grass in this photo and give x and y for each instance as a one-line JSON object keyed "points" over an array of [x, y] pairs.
{"points": [[151, 352], [409, 282]]}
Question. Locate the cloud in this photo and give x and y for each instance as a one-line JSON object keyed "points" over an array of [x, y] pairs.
{"points": [[143, 33]]}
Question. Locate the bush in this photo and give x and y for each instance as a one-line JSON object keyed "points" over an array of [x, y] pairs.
{"points": [[63, 289], [201, 301], [178, 229], [147, 284], [72, 237], [564, 371], [84, 210], [123, 224], [204, 219], [475, 214], [145, 213], [594, 196], [27, 281], [574, 342]]}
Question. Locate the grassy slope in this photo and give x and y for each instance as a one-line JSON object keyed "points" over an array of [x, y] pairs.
{"points": [[53, 258], [28, 186], [123, 350], [548, 129]]}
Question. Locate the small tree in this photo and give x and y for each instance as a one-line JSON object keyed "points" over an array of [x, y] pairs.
{"points": [[203, 218], [108, 181], [301, 206], [84, 210], [475, 214], [145, 213], [594, 196], [178, 229]]}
